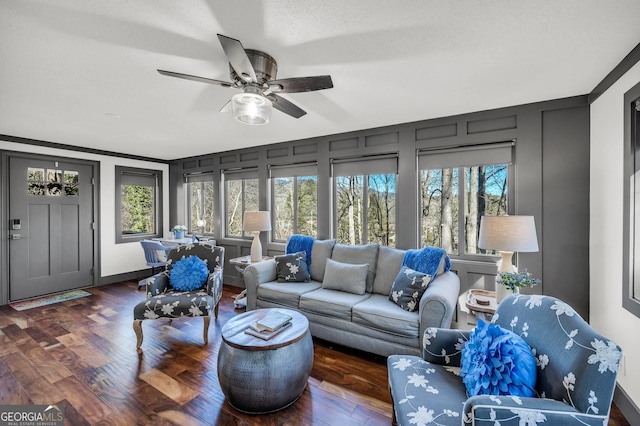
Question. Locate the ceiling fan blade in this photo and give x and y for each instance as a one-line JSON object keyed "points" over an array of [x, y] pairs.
{"points": [[301, 84], [283, 105], [226, 107], [196, 78], [238, 58]]}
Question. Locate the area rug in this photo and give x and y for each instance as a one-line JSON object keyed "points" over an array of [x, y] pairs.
{"points": [[48, 300]]}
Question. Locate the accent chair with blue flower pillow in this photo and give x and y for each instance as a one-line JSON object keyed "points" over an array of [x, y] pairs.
{"points": [[574, 380], [190, 286]]}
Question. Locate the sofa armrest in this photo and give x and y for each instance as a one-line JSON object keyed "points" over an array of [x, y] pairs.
{"points": [[256, 274], [514, 410], [444, 345], [438, 303]]}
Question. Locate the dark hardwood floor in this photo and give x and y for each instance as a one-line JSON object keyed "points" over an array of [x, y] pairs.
{"points": [[81, 353]]}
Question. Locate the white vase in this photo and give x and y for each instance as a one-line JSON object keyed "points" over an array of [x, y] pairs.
{"points": [[502, 292]]}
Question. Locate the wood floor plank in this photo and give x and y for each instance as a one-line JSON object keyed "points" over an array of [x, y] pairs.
{"points": [[175, 390], [11, 391], [39, 391], [84, 349], [92, 408], [82, 354], [47, 366]]}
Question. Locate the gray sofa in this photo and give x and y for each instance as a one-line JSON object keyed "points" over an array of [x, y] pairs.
{"points": [[369, 321]]}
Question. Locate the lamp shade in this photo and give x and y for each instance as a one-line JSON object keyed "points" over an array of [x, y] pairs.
{"points": [[251, 108], [508, 233], [257, 221]]}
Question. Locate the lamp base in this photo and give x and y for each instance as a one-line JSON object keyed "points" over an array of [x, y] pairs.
{"points": [[256, 247], [504, 265]]}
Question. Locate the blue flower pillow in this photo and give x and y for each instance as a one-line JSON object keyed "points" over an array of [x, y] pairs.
{"points": [[188, 274], [496, 361]]}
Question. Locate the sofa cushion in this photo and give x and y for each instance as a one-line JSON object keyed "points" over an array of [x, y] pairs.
{"points": [[331, 303], [345, 277], [408, 288], [292, 267], [496, 361], [321, 251], [379, 313], [358, 255], [387, 268], [285, 294]]}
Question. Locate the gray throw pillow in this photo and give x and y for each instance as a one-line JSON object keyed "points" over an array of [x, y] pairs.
{"points": [[345, 277], [408, 288], [292, 268], [320, 252]]}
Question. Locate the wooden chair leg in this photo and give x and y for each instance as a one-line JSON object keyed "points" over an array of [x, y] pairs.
{"points": [[207, 321], [137, 327], [215, 310]]}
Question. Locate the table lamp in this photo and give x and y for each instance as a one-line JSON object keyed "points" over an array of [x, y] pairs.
{"points": [[508, 234], [256, 222]]}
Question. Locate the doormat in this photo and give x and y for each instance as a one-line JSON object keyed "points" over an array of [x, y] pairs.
{"points": [[48, 300]]}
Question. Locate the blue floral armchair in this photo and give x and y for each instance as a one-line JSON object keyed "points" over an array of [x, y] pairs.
{"points": [[576, 372], [164, 301]]}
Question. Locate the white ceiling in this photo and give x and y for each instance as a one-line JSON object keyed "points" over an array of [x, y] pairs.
{"points": [[84, 72]]}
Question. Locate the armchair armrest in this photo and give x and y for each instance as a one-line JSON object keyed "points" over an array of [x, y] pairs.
{"points": [[443, 345], [214, 285], [512, 410], [256, 274], [157, 284]]}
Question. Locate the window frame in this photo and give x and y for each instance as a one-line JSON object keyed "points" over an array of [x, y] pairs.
{"points": [[461, 158], [383, 164], [125, 175], [243, 175], [631, 203], [290, 171], [202, 178]]}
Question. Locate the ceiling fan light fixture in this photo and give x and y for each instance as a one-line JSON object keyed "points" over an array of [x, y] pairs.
{"points": [[251, 108]]}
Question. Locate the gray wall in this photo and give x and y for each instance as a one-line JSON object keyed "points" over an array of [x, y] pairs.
{"points": [[551, 183]]}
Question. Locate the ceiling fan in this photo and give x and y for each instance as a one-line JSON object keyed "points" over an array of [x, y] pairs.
{"points": [[254, 72]]}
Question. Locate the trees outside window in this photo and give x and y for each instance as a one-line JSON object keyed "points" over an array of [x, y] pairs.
{"points": [[138, 204], [200, 202], [365, 203], [294, 206], [454, 198], [241, 194]]}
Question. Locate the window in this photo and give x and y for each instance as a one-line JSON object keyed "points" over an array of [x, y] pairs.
{"points": [[294, 200], [200, 197], [365, 200], [241, 195], [457, 187], [52, 182], [631, 224], [138, 204]]}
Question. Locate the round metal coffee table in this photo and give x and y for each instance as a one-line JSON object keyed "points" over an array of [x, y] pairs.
{"points": [[261, 376]]}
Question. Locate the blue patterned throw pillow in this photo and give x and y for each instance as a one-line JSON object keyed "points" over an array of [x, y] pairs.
{"points": [[496, 361], [189, 273], [292, 268], [408, 288]]}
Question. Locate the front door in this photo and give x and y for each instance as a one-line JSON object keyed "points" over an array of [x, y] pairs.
{"points": [[50, 226]]}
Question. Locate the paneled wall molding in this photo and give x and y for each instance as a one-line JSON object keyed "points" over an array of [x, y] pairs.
{"points": [[548, 136]]}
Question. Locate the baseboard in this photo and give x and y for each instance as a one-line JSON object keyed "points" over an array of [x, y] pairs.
{"points": [[127, 276], [626, 405]]}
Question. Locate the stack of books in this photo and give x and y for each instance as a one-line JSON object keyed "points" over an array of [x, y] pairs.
{"points": [[271, 325]]}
